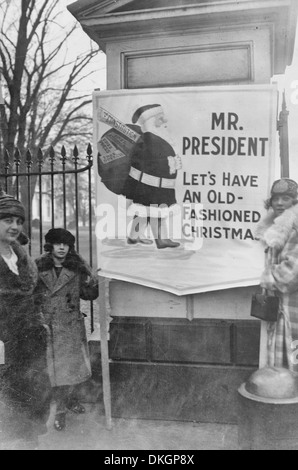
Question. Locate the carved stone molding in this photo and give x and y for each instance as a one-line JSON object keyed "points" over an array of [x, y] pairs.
{"points": [[106, 21]]}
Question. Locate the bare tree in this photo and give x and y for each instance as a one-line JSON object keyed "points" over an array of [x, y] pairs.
{"points": [[44, 103]]}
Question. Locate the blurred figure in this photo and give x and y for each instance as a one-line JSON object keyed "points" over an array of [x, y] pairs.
{"points": [[64, 278]]}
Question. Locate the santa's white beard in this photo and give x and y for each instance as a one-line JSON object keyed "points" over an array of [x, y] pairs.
{"points": [[162, 132]]}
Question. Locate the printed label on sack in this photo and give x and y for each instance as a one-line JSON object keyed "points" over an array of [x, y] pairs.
{"points": [[104, 116]]}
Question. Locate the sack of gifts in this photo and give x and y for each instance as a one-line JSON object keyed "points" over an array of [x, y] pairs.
{"points": [[265, 306], [114, 150]]}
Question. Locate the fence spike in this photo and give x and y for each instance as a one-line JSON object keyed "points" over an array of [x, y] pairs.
{"points": [[6, 159], [40, 157], [52, 154], [29, 159], [89, 150], [75, 154], [89, 153], [17, 157], [63, 155]]}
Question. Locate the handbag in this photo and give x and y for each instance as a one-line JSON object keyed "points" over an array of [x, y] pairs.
{"points": [[265, 306]]}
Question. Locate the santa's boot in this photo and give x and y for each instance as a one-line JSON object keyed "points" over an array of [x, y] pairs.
{"points": [[159, 230], [137, 230]]}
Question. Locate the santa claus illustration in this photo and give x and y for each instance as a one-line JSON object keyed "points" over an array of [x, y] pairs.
{"points": [[152, 177]]}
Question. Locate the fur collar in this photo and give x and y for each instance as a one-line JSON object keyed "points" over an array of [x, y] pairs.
{"points": [[73, 263], [26, 281], [274, 232]]}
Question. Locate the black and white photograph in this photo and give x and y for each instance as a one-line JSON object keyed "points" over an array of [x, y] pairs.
{"points": [[148, 227]]}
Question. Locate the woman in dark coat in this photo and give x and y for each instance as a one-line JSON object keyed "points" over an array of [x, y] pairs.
{"points": [[64, 278], [25, 391]]}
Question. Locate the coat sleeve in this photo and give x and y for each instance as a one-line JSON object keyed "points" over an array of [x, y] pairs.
{"points": [[285, 273], [88, 284], [39, 294]]}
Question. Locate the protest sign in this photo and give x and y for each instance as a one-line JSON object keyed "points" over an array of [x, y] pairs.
{"points": [[182, 176]]}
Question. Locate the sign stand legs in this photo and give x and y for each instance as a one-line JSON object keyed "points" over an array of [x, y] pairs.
{"points": [[104, 346]]}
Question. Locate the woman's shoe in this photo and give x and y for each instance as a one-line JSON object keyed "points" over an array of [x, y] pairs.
{"points": [[76, 407], [59, 423]]}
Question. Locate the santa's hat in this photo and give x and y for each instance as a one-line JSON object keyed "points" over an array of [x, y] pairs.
{"points": [[146, 112]]}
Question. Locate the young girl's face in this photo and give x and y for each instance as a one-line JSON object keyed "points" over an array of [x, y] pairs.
{"points": [[60, 251], [281, 202]]}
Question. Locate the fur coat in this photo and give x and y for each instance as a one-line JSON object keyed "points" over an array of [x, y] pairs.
{"points": [[280, 238], [68, 356], [24, 381]]}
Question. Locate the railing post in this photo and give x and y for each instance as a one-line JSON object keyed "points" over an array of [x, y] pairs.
{"points": [[2, 111], [40, 162], [29, 221], [6, 159], [17, 162], [76, 161], [63, 163], [52, 160], [90, 160]]}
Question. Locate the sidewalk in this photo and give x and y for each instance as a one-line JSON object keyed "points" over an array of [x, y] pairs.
{"points": [[89, 432]]}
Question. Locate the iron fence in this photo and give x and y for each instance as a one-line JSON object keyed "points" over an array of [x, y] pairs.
{"points": [[56, 190]]}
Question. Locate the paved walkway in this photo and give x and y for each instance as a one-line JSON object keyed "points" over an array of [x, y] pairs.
{"points": [[89, 432]]}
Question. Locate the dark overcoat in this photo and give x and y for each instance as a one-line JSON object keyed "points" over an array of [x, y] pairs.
{"points": [[68, 356], [24, 381]]}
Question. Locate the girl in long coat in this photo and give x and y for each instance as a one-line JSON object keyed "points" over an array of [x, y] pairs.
{"points": [[279, 233], [64, 279], [25, 391]]}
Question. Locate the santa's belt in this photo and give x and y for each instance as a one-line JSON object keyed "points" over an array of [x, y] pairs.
{"points": [[151, 180]]}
